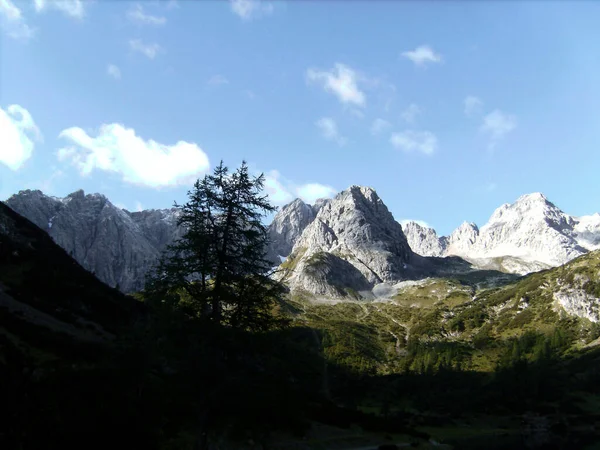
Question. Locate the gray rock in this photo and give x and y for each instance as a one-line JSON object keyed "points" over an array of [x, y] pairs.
{"points": [[118, 246], [462, 240], [424, 241], [353, 229], [287, 226]]}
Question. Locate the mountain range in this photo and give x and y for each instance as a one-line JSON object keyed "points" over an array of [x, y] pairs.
{"points": [[525, 236], [118, 246], [347, 246]]}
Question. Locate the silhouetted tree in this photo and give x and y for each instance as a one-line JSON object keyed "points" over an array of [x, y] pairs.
{"points": [[217, 270]]}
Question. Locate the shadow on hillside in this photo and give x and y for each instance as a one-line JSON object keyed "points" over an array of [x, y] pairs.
{"points": [[170, 383], [459, 269]]}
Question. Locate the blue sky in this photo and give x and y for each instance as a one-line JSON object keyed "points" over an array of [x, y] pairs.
{"points": [[447, 109]]}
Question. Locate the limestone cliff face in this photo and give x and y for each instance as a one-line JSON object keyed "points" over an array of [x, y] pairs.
{"points": [[118, 246], [352, 244], [528, 235], [287, 226], [424, 241]]}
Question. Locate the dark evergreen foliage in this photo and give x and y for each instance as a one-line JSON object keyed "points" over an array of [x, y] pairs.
{"points": [[218, 271]]}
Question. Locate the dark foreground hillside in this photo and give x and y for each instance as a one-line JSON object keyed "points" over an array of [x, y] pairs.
{"points": [[82, 365]]}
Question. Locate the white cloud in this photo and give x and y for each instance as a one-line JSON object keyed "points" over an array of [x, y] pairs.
{"points": [[119, 150], [17, 135], [251, 9], [405, 222], [277, 192], [149, 50], [282, 191], [410, 140], [498, 124], [137, 15], [410, 113], [113, 71], [330, 131], [311, 192], [139, 206], [379, 126], [12, 21], [423, 55], [342, 81], [217, 80], [473, 106], [71, 8], [250, 94]]}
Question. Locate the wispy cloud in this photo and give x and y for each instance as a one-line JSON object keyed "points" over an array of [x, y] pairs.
{"points": [[282, 191], [409, 140], [423, 55], [491, 187], [342, 81], [405, 222], [119, 150], [71, 8], [330, 131], [18, 132], [217, 80], [379, 126], [409, 115], [472, 106], [113, 71], [497, 125], [149, 50], [251, 9], [137, 15], [13, 22]]}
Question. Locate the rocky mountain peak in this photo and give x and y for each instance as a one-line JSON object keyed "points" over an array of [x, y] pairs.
{"points": [[353, 241], [424, 240], [118, 246], [462, 239], [364, 192], [286, 228]]}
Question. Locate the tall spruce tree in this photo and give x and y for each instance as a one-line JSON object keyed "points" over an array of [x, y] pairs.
{"points": [[217, 270]]}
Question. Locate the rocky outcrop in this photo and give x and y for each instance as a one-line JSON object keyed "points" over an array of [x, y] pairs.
{"points": [[118, 246], [532, 229], [287, 226], [353, 243], [424, 241], [462, 240], [528, 235]]}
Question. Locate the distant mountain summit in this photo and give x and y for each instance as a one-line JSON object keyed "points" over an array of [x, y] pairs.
{"points": [[337, 247], [119, 246], [527, 235], [352, 244]]}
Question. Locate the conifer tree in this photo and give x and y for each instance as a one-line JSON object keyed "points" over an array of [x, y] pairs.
{"points": [[217, 270]]}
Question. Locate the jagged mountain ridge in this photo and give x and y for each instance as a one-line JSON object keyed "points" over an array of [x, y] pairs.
{"points": [[42, 285], [527, 235], [352, 244], [119, 246]]}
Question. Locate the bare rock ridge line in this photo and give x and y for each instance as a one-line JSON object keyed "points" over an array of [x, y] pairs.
{"points": [[117, 245], [527, 235], [352, 244], [343, 246]]}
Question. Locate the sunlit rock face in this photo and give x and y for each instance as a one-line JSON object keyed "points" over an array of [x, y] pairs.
{"points": [[119, 246]]}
